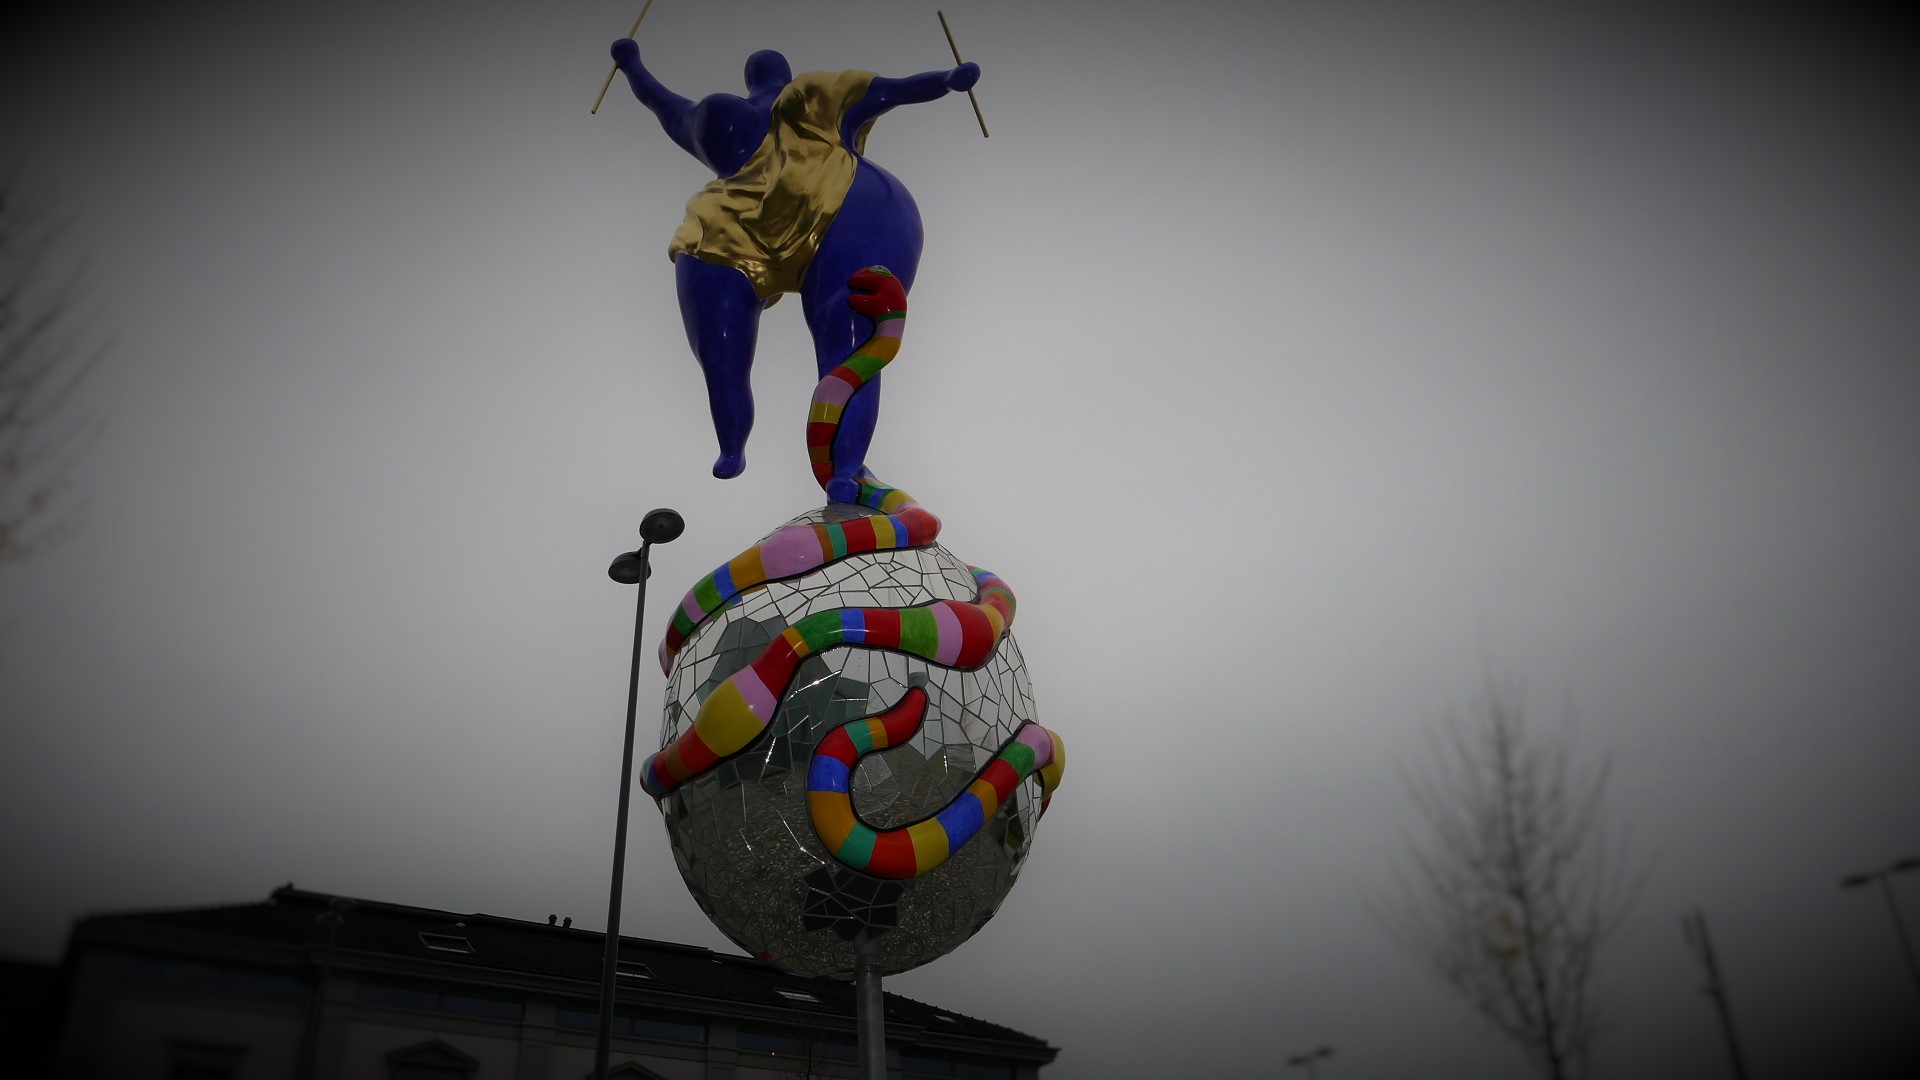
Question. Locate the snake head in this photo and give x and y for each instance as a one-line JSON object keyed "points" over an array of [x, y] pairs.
{"points": [[874, 292]]}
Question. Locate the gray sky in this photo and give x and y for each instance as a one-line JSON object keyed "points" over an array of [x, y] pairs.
{"points": [[1315, 361]]}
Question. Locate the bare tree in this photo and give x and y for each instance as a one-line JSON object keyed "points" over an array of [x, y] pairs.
{"points": [[45, 358], [1515, 880]]}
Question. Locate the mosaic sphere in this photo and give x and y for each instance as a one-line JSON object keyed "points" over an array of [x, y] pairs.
{"points": [[742, 835]]}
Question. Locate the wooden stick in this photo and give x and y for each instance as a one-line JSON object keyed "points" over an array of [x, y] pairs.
{"points": [[956, 60], [615, 70]]}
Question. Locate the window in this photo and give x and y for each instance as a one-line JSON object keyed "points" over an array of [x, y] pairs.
{"points": [[648, 1027], [924, 1066], [250, 984], [802, 1045], [961, 1068], [796, 995], [632, 969], [401, 997], [179, 974], [830, 1050], [490, 1008], [446, 943], [412, 997], [767, 1042], [645, 1027]]}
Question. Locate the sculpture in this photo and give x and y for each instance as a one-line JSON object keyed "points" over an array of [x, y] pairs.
{"points": [[796, 207], [850, 768]]}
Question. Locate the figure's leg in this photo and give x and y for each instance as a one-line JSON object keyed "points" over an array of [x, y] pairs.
{"points": [[722, 316], [878, 224]]}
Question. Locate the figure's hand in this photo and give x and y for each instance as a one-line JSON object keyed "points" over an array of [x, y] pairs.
{"points": [[626, 53], [963, 77]]}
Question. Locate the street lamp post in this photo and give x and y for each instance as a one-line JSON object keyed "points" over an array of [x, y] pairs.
{"points": [[336, 913], [1308, 1059], [629, 568], [1885, 877]]}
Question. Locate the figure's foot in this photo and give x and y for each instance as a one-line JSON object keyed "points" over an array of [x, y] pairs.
{"points": [[730, 465], [843, 489]]}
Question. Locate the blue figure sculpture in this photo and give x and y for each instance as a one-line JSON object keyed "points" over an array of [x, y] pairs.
{"points": [[796, 207]]}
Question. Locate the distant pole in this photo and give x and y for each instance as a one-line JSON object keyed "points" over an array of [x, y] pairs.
{"points": [[629, 568], [309, 1053], [1693, 926], [1885, 878], [870, 1006], [1900, 928]]}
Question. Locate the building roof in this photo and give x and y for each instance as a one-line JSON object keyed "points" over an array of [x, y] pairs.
{"points": [[374, 936]]}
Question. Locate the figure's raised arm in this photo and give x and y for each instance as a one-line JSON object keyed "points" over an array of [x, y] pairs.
{"points": [[886, 93], [674, 111]]}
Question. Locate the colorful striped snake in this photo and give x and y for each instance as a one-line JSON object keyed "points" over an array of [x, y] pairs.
{"points": [[950, 633]]}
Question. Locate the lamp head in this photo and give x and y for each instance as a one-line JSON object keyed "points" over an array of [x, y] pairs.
{"points": [[629, 568], [661, 526]]}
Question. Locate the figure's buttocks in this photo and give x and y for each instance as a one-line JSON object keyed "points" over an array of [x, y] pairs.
{"points": [[766, 219]]}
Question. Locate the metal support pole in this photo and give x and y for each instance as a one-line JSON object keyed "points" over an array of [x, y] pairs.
{"points": [[870, 1003], [1900, 927], [603, 1043], [1885, 877]]}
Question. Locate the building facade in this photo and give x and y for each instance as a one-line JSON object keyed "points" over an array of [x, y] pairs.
{"points": [[318, 987]]}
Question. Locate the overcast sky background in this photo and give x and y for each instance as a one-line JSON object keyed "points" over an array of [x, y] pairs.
{"points": [[1297, 365]]}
